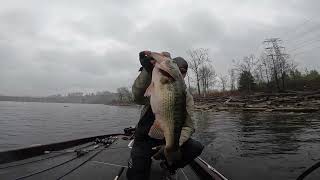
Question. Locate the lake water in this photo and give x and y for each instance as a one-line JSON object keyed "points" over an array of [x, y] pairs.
{"points": [[240, 145]]}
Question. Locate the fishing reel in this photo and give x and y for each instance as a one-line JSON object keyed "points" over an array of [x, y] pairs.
{"points": [[129, 131]]}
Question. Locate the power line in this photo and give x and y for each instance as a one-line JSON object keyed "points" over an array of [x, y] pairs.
{"points": [[308, 29], [304, 45], [307, 33], [296, 28], [315, 47], [306, 41], [314, 29]]}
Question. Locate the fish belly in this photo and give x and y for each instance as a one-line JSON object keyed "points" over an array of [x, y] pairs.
{"points": [[168, 105]]}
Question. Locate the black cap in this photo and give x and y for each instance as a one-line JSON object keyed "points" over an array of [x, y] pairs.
{"points": [[182, 64]]}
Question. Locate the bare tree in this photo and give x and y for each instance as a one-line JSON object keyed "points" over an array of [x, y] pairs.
{"points": [[197, 58], [212, 80], [258, 73], [233, 79], [124, 94], [189, 79], [207, 76], [223, 81], [266, 67], [248, 63]]}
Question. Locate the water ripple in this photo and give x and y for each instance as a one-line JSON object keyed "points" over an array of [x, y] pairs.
{"points": [[241, 145]]}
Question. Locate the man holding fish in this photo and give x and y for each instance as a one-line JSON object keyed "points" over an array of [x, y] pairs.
{"points": [[166, 125]]}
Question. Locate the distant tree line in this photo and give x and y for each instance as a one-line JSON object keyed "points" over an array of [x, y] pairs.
{"points": [[124, 95], [200, 71], [269, 73], [274, 75], [104, 97]]}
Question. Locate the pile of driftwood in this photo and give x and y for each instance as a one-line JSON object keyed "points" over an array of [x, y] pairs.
{"points": [[288, 102]]}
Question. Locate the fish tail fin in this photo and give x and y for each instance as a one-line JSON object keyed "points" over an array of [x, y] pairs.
{"points": [[156, 131]]}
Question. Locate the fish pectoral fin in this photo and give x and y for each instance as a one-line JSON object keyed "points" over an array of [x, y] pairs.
{"points": [[156, 131], [149, 90]]}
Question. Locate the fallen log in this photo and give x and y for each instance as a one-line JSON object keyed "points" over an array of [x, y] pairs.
{"points": [[254, 109], [291, 109], [231, 104]]}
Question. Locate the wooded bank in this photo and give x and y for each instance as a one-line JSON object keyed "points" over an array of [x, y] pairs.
{"points": [[295, 101]]}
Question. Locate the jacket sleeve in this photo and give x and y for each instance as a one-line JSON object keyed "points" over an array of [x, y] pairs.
{"points": [[139, 87], [188, 127]]}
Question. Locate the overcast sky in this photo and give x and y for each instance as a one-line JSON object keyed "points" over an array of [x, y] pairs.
{"points": [[50, 47]]}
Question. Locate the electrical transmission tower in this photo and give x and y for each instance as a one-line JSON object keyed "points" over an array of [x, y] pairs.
{"points": [[278, 60]]}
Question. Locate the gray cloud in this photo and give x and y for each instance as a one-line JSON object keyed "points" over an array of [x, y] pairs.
{"points": [[49, 47]]}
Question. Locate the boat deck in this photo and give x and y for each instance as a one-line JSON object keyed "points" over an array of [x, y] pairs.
{"points": [[97, 162]]}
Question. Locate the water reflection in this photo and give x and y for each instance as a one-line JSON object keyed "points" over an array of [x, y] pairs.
{"points": [[270, 133], [203, 125], [24, 124], [241, 145], [260, 145]]}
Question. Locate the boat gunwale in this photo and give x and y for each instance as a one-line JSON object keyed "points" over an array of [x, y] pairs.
{"points": [[199, 166], [28, 152]]}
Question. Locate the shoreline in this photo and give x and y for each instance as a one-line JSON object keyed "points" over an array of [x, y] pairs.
{"points": [[127, 104], [300, 102]]}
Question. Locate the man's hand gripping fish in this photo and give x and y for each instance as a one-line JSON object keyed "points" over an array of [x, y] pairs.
{"points": [[167, 93]]}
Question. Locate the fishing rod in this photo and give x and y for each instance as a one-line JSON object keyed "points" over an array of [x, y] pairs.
{"points": [[79, 153], [107, 143], [42, 159], [119, 173], [309, 171], [42, 171]]}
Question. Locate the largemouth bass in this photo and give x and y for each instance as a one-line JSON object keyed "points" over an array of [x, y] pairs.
{"points": [[167, 93]]}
